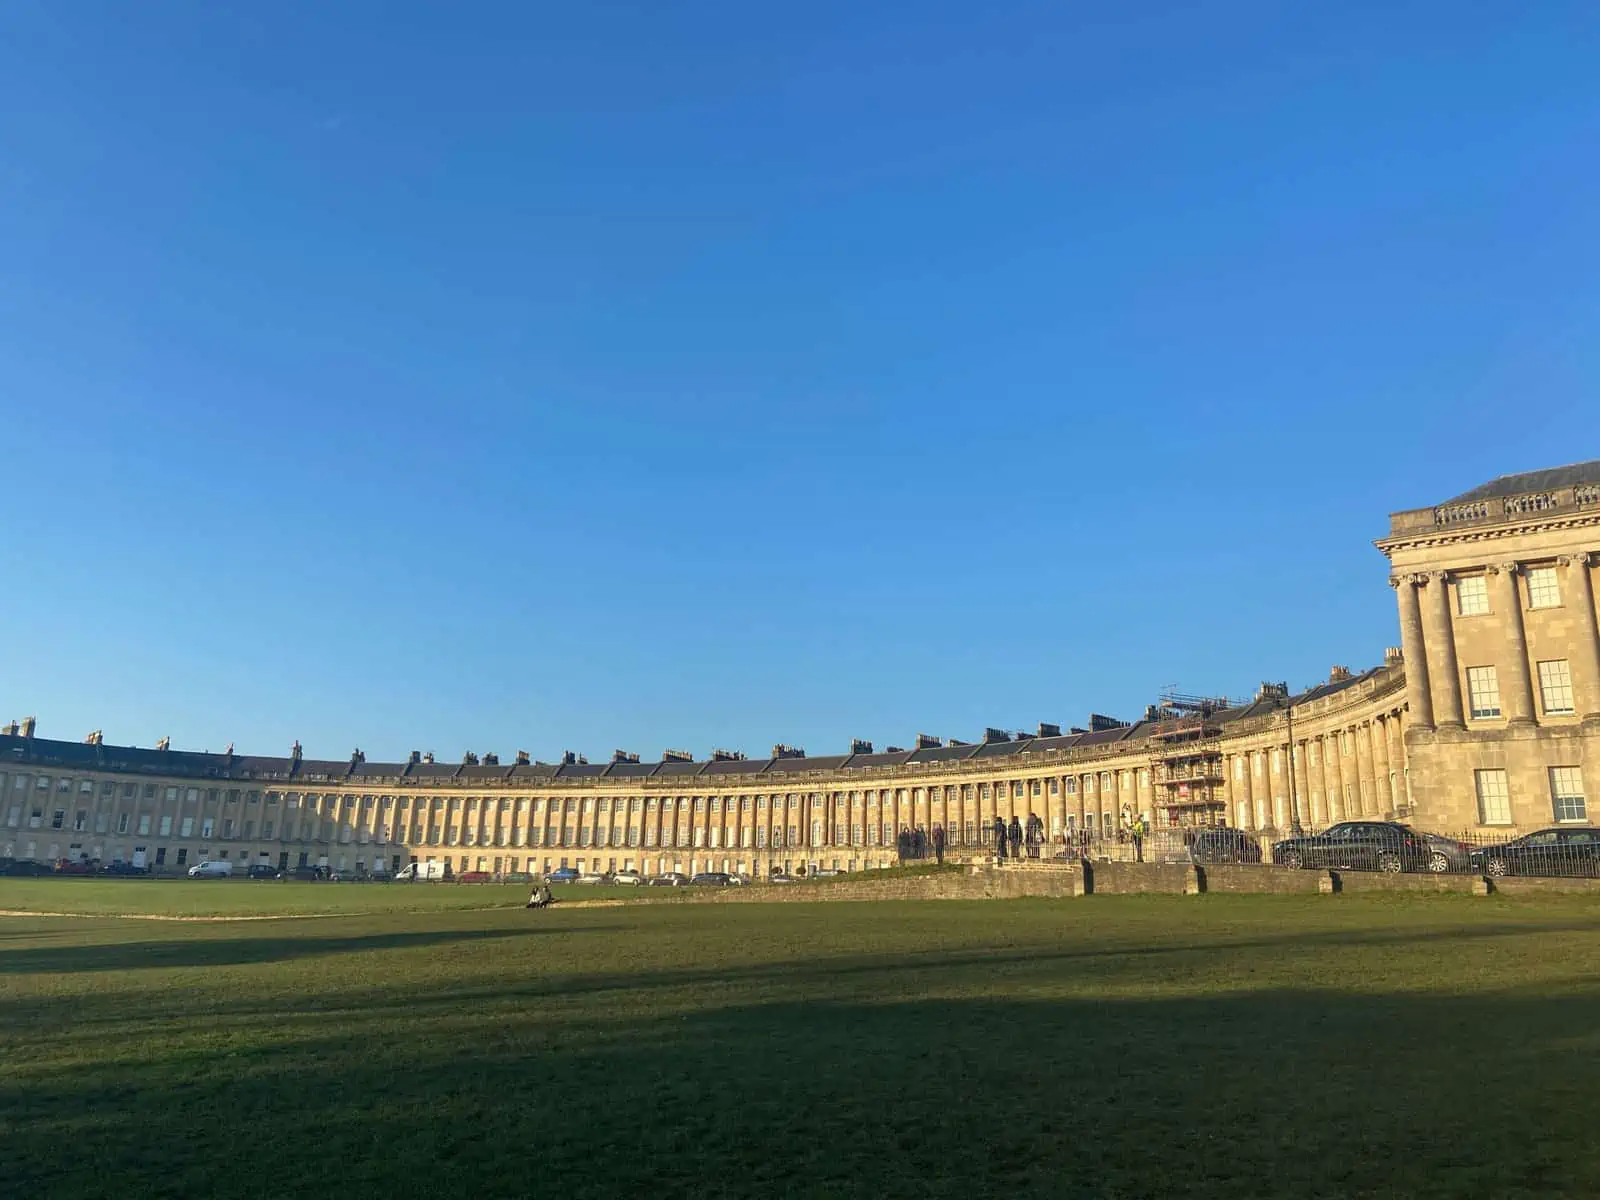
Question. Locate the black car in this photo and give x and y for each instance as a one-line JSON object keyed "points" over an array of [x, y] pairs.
{"points": [[710, 879], [305, 874], [1219, 844], [123, 868], [1563, 851], [26, 867], [262, 871], [1357, 845]]}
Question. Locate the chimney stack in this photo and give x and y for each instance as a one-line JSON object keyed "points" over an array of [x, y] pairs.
{"points": [[29, 724]]}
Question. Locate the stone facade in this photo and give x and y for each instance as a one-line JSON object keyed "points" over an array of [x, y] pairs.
{"points": [[1497, 619], [1401, 740]]}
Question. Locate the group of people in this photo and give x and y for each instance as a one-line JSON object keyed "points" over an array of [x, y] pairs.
{"points": [[542, 896], [917, 842], [1011, 839]]}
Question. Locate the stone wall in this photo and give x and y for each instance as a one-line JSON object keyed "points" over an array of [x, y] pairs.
{"points": [[1071, 880]]}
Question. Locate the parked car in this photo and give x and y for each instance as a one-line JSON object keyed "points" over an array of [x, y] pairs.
{"points": [[590, 877], [1447, 854], [562, 875], [261, 871], [738, 878], [710, 879], [473, 877], [1561, 851], [119, 867], [76, 866], [1220, 844], [211, 868], [829, 873], [628, 878], [26, 867], [670, 879], [303, 874], [1357, 845], [780, 877]]}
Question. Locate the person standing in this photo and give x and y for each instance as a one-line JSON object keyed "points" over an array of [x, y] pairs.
{"points": [[1014, 832], [1000, 836], [1137, 829], [938, 844]]}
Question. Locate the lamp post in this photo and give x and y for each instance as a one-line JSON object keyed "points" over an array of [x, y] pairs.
{"points": [[1294, 792]]}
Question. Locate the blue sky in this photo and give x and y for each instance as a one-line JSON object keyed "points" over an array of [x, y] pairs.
{"points": [[506, 375]]}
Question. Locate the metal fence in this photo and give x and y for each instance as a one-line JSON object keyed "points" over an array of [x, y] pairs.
{"points": [[1565, 850]]}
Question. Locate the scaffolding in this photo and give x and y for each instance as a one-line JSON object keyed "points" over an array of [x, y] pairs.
{"points": [[1187, 767]]}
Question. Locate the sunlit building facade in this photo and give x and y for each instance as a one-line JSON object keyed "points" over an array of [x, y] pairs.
{"points": [[1487, 718]]}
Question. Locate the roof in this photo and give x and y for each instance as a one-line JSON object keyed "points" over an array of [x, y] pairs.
{"points": [[1534, 481], [287, 772]]}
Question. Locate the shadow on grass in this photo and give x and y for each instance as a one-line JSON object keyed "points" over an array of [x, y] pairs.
{"points": [[231, 951], [1279, 1092]]}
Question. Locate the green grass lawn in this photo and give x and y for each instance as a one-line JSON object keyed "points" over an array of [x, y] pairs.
{"points": [[1103, 1047]]}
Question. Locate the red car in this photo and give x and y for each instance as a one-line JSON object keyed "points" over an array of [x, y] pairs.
{"points": [[473, 877], [76, 866]]}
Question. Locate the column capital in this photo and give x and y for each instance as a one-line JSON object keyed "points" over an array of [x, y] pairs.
{"points": [[1433, 577], [1510, 567], [1582, 559]]}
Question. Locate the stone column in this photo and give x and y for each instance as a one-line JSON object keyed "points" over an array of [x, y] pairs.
{"points": [[1442, 654], [1302, 785], [1364, 784], [1322, 808], [1384, 794], [1245, 812], [1339, 807], [1516, 685], [1261, 762], [1414, 646], [1586, 667]]}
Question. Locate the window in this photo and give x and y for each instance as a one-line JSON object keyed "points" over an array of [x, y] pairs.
{"points": [[187, 829], [166, 826], [1494, 800], [1555, 686], [122, 822], [1566, 794], [1483, 691], [1472, 596], [58, 818], [1543, 591]]}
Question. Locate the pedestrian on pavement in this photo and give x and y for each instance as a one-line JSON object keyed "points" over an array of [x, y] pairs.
{"points": [[1014, 834], [938, 844], [1000, 836]]}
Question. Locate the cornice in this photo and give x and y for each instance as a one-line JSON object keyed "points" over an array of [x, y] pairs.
{"points": [[1451, 535]]}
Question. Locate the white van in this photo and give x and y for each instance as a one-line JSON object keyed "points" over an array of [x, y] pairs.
{"points": [[211, 868], [431, 869]]}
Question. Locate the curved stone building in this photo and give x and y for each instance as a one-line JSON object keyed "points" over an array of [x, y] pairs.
{"points": [[1488, 720]]}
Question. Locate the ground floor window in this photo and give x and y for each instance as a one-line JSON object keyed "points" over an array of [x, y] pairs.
{"points": [[1494, 798], [1566, 793]]}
